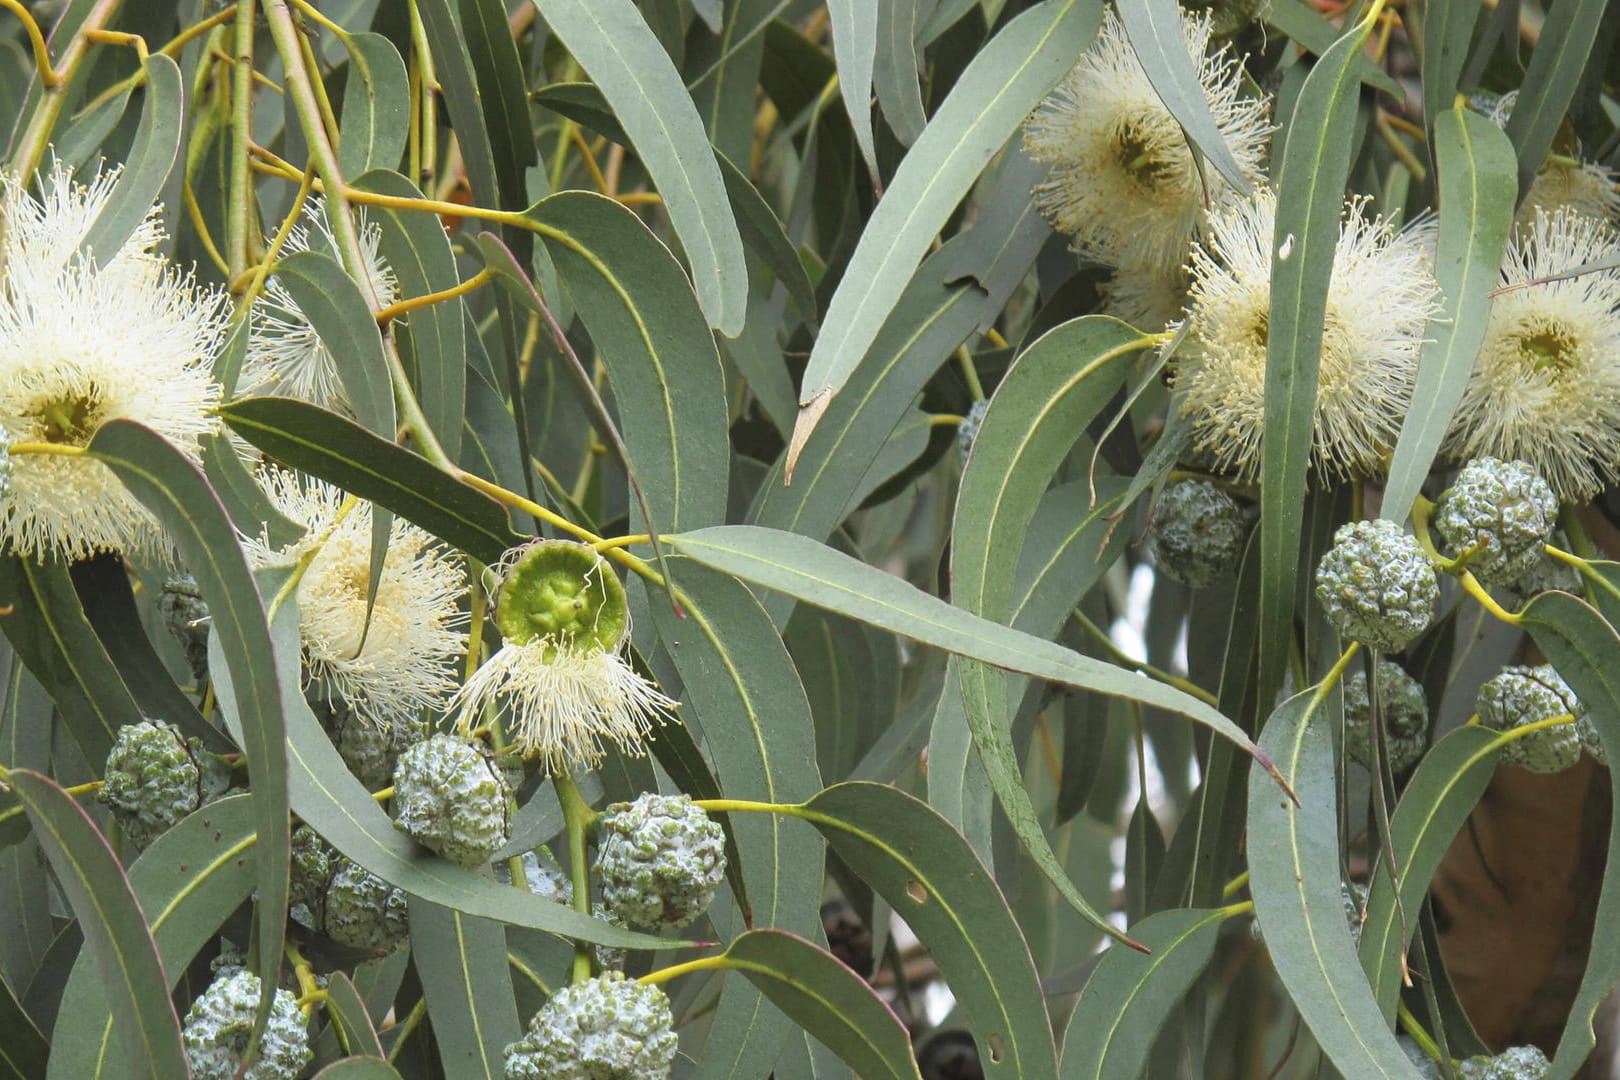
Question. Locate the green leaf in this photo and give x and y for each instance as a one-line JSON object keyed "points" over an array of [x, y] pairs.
{"points": [[748, 701], [1293, 852], [1154, 28], [1586, 652], [433, 339], [114, 928], [348, 1011], [334, 305], [327, 796], [1433, 807], [250, 508], [1129, 995], [659, 353], [1555, 70], [1310, 205], [462, 964], [358, 1068], [23, 1048], [48, 629], [376, 106], [818, 575], [462, 101], [1448, 30], [188, 882], [854, 40], [1315, 34], [614, 45], [1041, 407], [498, 68], [825, 998], [1007, 78], [897, 66], [338, 450], [176, 493], [1477, 189], [930, 876], [146, 169]]}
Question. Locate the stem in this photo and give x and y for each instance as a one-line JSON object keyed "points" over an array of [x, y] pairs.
{"points": [[727, 806], [1477, 591], [239, 212], [394, 311], [30, 148], [1414, 1029], [48, 78], [1231, 887], [408, 1025], [675, 971], [577, 815]]}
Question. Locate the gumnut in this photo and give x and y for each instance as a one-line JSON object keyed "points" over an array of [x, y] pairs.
{"points": [[660, 860], [1197, 532], [311, 870], [1376, 585], [452, 800], [369, 750], [968, 431], [1499, 512], [1402, 709], [1514, 1063], [363, 911], [154, 777], [185, 614], [606, 1028], [1518, 696], [220, 1022], [543, 874]]}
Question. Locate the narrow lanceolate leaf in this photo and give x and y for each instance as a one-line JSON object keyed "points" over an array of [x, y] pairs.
{"points": [[1435, 804], [462, 964], [927, 872], [1549, 84], [1310, 203], [341, 316], [176, 493], [338, 450], [1293, 854], [816, 574], [48, 629], [499, 70], [453, 64], [1001, 85], [659, 353], [1040, 409], [895, 75], [114, 928], [1154, 27], [1477, 187], [188, 883], [23, 1048], [1312, 32], [747, 699], [1129, 995], [146, 170], [614, 46], [376, 106], [827, 999], [348, 1010], [1586, 652], [327, 796], [854, 34], [1448, 31], [358, 1068]]}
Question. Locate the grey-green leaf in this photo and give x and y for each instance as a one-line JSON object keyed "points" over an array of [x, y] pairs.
{"points": [[1476, 174], [462, 964], [376, 106], [854, 34], [613, 44], [146, 169], [1549, 84]]}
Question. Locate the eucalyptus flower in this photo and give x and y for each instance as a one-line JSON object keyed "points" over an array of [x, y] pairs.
{"points": [[561, 673], [87, 337], [402, 659], [1379, 300], [1546, 384], [1585, 187], [1123, 179]]}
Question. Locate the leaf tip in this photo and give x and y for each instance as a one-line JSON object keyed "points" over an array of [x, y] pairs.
{"points": [[804, 425]]}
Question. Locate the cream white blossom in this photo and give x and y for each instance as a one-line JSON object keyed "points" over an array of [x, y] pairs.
{"points": [[1546, 384], [561, 674], [87, 337], [1563, 183], [1123, 180], [285, 355], [1379, 301], [1148, 295], [404, 660]]}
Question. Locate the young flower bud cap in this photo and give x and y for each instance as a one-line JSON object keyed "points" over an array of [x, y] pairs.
{"points": [[219, 1023], [452, 800], [1401, 708], [562, 590], [1518, 696], [1198, 532], [606, 1028], [660, 860]]}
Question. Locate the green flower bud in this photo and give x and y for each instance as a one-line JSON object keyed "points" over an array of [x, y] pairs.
{"points": [[362, 910], [370, 750], [660, 860], [545, 877], [1502, 513], [154, 777], [186, 615], [968, 431], [1522, 695], [311, 870], [607, 1028], [219, 1023], [1197, 532], [1376, 585], [564, 591], [452, 800], [1354, 896], [1514, 1063], [1403, 710]]}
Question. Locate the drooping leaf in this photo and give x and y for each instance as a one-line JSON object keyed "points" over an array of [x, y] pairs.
{"points": [[462, 964], [348, 1010], [376, 106], [895, 74], [334, 305], [1448, 29], [358, 1068], [1556, 66], [146, 169], [613, 44], [854, 40]]}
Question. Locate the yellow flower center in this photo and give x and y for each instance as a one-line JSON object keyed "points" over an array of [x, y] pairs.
{"points": [[69, 420], [1548, 347], [1141, 159]]}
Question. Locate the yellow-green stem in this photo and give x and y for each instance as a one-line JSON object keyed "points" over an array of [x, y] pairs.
{"points": [[240, 230], [577, 816], [675, 971]]}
